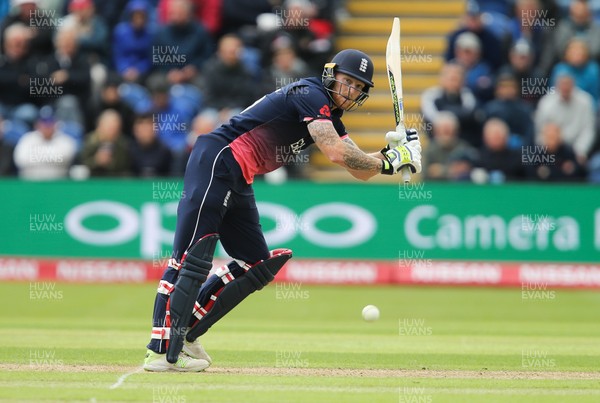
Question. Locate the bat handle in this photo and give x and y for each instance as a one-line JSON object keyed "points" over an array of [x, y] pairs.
{"points": [[406, 174], [406, 170]]}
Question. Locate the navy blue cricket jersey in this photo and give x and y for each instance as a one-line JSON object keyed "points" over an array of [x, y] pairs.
{"points": [[276, 126]]}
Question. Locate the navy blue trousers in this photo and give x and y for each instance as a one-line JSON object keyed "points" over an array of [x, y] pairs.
{"points": [[215, 199]]}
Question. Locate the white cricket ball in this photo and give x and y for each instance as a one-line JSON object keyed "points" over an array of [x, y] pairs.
{"points": [[370, 313]]}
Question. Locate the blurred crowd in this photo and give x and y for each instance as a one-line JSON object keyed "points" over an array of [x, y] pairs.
{"points": [[123, 87], [518, 95]]}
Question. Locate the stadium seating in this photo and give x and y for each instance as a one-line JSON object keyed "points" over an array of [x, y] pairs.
{"points": [[424, 26]]}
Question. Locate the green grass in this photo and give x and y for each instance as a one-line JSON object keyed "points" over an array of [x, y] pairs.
{"points": [[430, 345]]}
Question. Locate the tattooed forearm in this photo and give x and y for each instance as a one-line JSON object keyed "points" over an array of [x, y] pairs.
{"points": [[358, 160], [348, 140], [342, 152]]}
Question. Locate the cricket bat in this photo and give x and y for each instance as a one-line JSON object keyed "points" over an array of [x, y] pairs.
{"points": [[394, 71]]}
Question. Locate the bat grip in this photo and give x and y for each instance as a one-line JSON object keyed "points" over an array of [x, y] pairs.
{"points": [[406, 174], [406, 170]]}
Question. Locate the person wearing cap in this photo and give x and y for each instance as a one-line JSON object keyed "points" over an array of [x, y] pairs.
{"points": [[45, 153], [132, 44], [492, 50], [478, 73], [219, 198], [532, 83]]}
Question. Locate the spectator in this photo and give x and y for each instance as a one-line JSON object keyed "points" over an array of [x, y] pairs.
{"points": [[452, 96], [91, 31], [445, 149], [311, 37], [15, 84], [105, 151], [577, 64], [46, 153], [171, 123], [182, 46], [557, 160], [492, 51], [208, 12], [110, 98], [531, 23], [286, 67], [148, 156], [500, 162], [579, 24], [69, 72], [478, 74], [39, 24], [229, 87], [532, 83], [572, 110], [132, 44], [508, 107]]}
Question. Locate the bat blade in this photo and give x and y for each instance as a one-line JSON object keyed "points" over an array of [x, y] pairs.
{"points": [[393, 58]]}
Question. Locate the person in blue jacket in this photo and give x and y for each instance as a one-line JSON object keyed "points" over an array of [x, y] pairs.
{"points": [[132, 43]]}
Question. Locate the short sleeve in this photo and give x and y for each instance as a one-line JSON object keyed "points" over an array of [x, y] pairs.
{"points": [[339, 125], [310, 102]]}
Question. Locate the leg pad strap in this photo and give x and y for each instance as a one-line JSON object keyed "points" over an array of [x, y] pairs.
{"points": [[236, 291]]}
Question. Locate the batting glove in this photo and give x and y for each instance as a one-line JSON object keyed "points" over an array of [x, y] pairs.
{"points": [[403, 155], [395, 139], [399, 138]]}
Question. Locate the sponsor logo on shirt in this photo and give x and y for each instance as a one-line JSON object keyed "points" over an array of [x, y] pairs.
{"points": [[324, 111]]}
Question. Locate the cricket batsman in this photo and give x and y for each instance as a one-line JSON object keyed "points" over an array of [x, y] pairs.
{"points": [[218, 201]]}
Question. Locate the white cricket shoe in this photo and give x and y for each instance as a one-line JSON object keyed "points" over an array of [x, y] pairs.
{"points": [[155, 362], [195, 350]]}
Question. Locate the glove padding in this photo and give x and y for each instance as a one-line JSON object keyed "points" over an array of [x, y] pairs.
{"points": [[400, 138], [407, 154]]}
